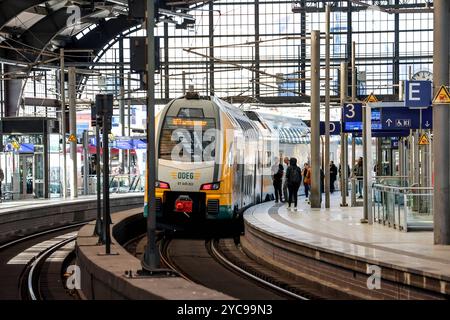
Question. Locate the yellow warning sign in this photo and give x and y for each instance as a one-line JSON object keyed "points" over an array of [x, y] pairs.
{"points": [[72, 138], [15, 145], [442, 96], [371, 98], [423, 141]]}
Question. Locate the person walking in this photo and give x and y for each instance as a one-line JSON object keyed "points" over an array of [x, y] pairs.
{"points": [[306, 179], [333, 175], [277, 177], [285, 186], [294, 179]]}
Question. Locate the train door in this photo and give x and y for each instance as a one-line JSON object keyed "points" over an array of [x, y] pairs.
{"points": [[238, 177], [245, 177]]}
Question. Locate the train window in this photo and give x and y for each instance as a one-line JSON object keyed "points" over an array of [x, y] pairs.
{"points": [[191, 113], [268, 159], [188, 139]]}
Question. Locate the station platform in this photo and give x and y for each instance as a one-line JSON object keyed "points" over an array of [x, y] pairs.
{"points": [[24, 217], [338, 234], [11, 206]]}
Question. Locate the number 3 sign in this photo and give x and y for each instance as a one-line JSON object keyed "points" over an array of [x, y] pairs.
{"points": [[352, 112]]}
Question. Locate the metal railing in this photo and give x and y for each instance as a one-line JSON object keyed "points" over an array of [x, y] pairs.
{"points": [[357, 187], [122, 183], [396, 181], [118, 183], [403, 208]]}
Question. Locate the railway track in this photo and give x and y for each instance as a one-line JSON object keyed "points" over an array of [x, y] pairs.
{"points": [[32, 274], [31, 267], [204, 262], [224, 260]]}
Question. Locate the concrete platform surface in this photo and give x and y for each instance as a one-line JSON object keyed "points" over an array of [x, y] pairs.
{"points": [[10, 206], [338, 230]]}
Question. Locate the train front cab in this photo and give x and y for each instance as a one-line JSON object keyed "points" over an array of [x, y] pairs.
{"points": [[194, 188]]}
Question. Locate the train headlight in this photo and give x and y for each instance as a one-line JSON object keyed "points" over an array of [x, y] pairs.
{"points": [[162, 185], [210, 186]]}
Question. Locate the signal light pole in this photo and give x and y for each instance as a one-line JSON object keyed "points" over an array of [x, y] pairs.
{"points": [[151, 261], [104, 111], [98, 224]]}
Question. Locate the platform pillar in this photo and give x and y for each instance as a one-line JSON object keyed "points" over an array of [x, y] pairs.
{"points": [[315, 119], [73, 131], [326, 153], [343, 173], [441, 127], [63, 123]]}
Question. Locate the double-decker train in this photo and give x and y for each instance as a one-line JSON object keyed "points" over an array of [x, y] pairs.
{"points": [[213, 160]]}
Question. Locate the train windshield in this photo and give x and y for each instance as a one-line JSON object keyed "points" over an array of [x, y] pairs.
{"points": [[188, 137]]}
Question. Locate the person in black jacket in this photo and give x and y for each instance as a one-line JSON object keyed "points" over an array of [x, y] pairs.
{"points": [[277, 177], [333, 175], [294, 179]]}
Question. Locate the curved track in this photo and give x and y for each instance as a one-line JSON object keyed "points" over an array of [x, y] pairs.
{"points": [[201, 262], [30, 267]]}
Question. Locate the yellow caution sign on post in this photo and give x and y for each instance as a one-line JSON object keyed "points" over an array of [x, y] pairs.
{"points": [[371, 98], [15, 145], [72, 138], [423, 141], [442, 96]]}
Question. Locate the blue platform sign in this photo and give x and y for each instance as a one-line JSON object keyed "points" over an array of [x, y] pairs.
{"points": [[124, 144], [398, 118], [23, 148], [352, 112], [427, 118], [357, 126], [335, 128], [385, 134], [140, 143], [418, 94]]}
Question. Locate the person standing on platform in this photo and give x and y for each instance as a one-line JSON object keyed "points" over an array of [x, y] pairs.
{"points": [[294, 179], [2, 177], [306, 179], [322, 183], [285, 186], [333, 175], [277, 177], [358, 171]]}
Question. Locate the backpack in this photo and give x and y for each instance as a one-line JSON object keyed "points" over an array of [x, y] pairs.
{"points": [[279, 175], [294, 175]]}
